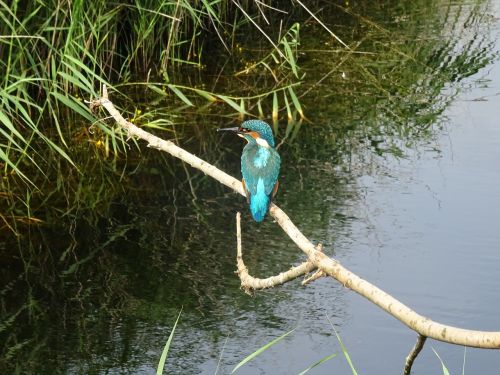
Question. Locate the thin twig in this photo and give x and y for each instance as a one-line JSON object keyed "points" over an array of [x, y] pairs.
{"points": [[413, 354], [315, 276]]}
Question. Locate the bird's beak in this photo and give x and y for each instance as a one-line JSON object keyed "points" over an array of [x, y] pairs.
{"points": [[234, 130]]}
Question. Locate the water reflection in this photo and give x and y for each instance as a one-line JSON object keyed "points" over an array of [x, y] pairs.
{"points": [[97, 288]]}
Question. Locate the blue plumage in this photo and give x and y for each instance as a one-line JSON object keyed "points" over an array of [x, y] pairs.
{"points": [[260, 166], [259, 201]]}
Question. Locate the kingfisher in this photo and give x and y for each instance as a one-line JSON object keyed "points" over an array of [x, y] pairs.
{"points": [[260, 165]]}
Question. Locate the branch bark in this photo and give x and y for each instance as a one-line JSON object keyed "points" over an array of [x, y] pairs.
{"points": [[249, 284], [420, 324], [413, 354]]}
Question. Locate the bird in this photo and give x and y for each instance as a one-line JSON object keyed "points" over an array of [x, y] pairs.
{"points": [[260, 165]]}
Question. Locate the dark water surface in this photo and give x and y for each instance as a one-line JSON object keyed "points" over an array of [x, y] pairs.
{"points": [[397, 173]]}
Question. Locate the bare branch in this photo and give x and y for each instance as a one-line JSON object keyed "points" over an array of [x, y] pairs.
{"points": [[249, 283], [315, 276], [415, 321]]}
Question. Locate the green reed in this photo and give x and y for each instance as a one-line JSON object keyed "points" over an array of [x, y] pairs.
{"points": [[54, 55]]}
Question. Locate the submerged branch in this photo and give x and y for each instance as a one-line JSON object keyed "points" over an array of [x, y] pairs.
{"points": [[420, 324]]}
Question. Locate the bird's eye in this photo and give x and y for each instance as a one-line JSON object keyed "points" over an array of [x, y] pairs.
{"points": [[244, 130]]}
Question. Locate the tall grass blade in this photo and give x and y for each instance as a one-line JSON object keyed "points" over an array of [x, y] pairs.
{"points": [[290, 57], [296, 102], [445, 370], [322, 360], [9, 138], [463, 365], [206, 95], [259, 28], [164, 354], [10, 126], [259, 107], [157, 90], [275, 106], [242, 108], [74, 105], [214, 18], [232, 103], [180, 95], [79, 79], [261, 350], [322, 24], [344, 350], [6, 159], [58, 149], [287, 105]]}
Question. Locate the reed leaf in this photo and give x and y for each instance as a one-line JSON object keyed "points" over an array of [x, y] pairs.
{"points": [[275, 106], [10, 127], [261, 350], [205, 94], [164, 353], [344, 349], [180, 95], [74, 105], [322, 360], [443, 367], [232, 103], [287, 106], [8, 161], [295, 101]]}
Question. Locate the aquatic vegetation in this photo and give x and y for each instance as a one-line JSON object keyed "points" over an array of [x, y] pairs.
{"points": [[53, 57]]}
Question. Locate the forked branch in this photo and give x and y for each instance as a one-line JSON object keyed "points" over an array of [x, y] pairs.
{"points": [[249, 283]]}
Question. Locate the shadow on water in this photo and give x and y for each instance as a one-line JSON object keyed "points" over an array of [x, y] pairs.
{"points": [[125, 244]]}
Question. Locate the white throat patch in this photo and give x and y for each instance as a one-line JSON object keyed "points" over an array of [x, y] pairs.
{"points": [[262, 142]]}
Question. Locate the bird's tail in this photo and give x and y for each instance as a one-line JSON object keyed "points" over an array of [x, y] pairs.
{"points": [[259, 204]]}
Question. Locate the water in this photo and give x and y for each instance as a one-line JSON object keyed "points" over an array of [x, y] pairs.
{"points": [[396, 173]]}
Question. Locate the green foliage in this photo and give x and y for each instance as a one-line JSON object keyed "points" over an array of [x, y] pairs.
{"points": [[261, 350], [322, 360], [253, 355], [258, 352], [283, 56], [54, 57], [443, 367], [344, 349], [46, 64], [164, 354], [188, 96]]}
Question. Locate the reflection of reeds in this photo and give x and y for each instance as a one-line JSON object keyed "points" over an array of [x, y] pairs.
{"points": [[391, 88]]}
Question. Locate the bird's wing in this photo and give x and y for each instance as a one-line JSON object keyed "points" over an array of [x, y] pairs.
{"points": [[268, 172]]}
